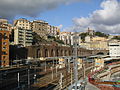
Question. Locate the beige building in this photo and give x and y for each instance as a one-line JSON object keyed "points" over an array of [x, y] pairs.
{"points": [[22, 36], [99, 38], [43, 29], [22, 32], [88, 39], [65, 37], [40, 27], [95, 45], [54, 30], [69, 38], [3, 21], [23, 23]]}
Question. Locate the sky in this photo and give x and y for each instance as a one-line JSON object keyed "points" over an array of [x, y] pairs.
{"points": [[69, 15]]}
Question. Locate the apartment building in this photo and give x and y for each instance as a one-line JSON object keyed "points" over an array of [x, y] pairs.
{"points": [[114, 48], [70, 38], [40, 27], [22, 36], [97, 38], [22, 23], [22, 32], [54, 31], [3, 21], [4, 46], [65, 37]]}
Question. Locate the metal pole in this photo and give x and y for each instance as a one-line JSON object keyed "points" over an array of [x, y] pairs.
{"points": [[53, 63], [52, 72], [71, 77], [18, 80], [61, 77], [68, 65], [56, 70], [28, 77], [45, 66], [83, 71], [75, 64]]}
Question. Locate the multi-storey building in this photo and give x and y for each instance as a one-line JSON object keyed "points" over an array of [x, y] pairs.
{"points": [[88, 39], [54, 30], [3, 21], [75, 39], [97, 45], [65, 37], [114, 48], [23, 23], [43, 29], [99, 38], [23, 32], [22, 36], [70, 38], [4, 46], [40, 27]]}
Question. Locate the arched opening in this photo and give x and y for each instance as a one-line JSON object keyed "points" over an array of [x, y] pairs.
{"points": [[52, 53], [69, 53], [61, 52], [46, 53], [57, 53], [38, 55], [100, 53], [65, 52]]}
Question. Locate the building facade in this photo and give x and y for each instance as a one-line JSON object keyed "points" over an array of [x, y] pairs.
{"points": [[40, 27], [22, 23], [65, 37], [54, 31], [22, 36], [3, 21], [114, 49], [4, 47], [22, 32]]}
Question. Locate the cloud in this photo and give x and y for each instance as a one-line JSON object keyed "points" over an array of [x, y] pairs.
{"points": [[107, 19], [11, 8], [60, 26]]}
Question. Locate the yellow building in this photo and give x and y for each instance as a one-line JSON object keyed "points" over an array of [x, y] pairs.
{"points": [[99, 45], [99, 38]]}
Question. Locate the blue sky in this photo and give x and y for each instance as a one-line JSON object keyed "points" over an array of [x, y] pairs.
{"points": [[99, 15], [63, 14]]}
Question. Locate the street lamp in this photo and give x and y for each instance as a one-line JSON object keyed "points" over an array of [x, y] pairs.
{"points": [[18, 80]]}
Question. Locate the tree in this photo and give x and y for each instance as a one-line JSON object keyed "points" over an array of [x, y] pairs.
{"points": [[116, 37], [100, 34], [83, 35]]}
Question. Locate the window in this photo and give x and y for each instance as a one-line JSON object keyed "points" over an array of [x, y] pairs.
{"points": [[5, 36], [4, 53], [4, 47], [4, 43], [4, 57]]}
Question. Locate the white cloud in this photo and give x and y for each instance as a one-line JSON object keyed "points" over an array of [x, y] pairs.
{"points": [[60, 26], [107, 19], [11, 8]]}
